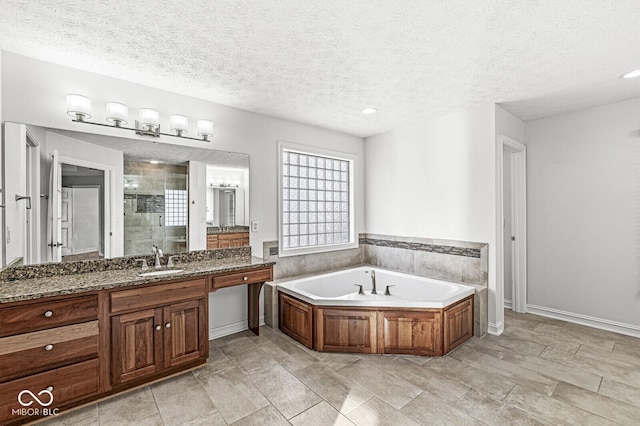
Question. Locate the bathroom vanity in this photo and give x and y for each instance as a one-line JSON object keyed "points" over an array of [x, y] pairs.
{"points": [[83, 336]]}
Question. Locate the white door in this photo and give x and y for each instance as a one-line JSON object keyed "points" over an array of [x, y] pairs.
{"points": [[55, 210], [66, 221], [15, 184]]}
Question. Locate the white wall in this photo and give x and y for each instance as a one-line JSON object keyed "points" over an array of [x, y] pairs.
{"points": [[437, 179], [584, 213], [34, 92]]}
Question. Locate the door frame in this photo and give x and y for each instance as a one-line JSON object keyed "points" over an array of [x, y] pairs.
{"points": [[33, 233], [518, 158], [108, 197]]}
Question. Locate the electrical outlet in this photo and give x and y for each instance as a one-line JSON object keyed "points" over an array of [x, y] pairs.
{"points": [[254, 226]]}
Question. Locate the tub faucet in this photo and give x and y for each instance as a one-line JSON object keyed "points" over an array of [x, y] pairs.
{"points": [[158, 253], [373, 282]]}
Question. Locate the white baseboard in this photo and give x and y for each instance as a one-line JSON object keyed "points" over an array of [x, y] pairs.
{"points": [[496, 329], [225, 330], [601, 323], [508, 304]]}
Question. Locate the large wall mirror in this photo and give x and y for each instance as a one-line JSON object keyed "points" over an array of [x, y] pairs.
{"points": [[76, 196]]}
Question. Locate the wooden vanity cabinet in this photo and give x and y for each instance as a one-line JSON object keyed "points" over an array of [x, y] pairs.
{"points": [[158, 329], [226, 240], [296, 319], [49, 344]]}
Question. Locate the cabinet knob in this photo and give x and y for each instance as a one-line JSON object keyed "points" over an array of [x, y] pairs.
{"points": [[245, 278], [49, 388], [158, 327], [168, 325], [48, 347], [48, 314]]}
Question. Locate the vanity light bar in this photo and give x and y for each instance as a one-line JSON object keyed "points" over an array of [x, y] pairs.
{"points": [[79, 107]]}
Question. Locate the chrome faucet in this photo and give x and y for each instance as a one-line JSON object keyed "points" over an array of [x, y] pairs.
{"points": [[373, 282], [158, 253]]}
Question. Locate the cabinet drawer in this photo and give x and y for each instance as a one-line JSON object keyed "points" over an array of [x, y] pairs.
{"points": [[158, 295], [39, 350], [69, 383], [237, 278], [41, 315]]}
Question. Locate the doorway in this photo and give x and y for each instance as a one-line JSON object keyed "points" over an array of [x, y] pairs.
{"points": [[513, 232]]}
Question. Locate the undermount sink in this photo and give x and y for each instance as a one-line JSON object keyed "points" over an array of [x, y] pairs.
{"points": [[163, 272]]}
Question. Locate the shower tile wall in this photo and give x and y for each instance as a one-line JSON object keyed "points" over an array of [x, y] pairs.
{"points": [[144, 207]]}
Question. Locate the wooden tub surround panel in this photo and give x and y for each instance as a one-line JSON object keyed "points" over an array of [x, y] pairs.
{"points": [[91, 345], [409, 331]]}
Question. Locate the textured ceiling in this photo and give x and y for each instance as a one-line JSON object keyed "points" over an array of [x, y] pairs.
{"points": [[320, 62]]}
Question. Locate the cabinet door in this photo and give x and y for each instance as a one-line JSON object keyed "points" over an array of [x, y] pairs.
{"points": [[136, 345], [296, 319], [185, 332], [458, 324], [410, 332], [341, 330]]}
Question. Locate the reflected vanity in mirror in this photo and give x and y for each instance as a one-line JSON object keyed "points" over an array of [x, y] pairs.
{"points": [[97, 196]]}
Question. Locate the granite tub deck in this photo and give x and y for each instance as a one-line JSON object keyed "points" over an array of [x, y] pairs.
{"points": [[73, 283]]}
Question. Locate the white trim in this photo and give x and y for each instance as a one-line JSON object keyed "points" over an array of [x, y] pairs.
{"points": [[507, 304], [305, 149], [236, 327], [589, 321], [109, 197], [519, 212], [496, 328]]}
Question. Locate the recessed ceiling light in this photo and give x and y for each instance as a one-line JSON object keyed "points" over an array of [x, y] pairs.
{"points": [[631, 74], [369, 110]]}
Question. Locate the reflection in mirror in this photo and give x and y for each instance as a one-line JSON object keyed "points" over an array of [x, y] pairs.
{"points": [[104, 196]]}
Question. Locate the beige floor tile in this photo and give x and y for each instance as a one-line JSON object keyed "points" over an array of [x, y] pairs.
{"points": [[603, 406], [284, 391], [337, 390], [627, 348], [515, 320], [233, 394], [427, 410], [287, 354], [217, 361], [553, 410], [151, 420], [542, 338], [556, 370], [576, 336], [378, 413], [493, 385], [621, 359], [461, 352], [493, 412], [209, 419], [87, 416], [509, 343], [522, 376], [390, 389], [620, 391], [247, 356], [335, 360], [594, 366], [321, 414], [267, 416], [446, 389], [533, 318], [180, 399], [127, 407], [617, 337]]}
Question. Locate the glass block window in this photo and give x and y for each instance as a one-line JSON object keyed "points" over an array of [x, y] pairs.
{"points": [[175, 207], [316, 202]]}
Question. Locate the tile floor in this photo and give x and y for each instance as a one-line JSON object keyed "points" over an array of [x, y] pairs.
{"points": [[540, 371]]}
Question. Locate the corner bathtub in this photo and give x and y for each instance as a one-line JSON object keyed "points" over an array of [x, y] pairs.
{"points": [[422, 316]]}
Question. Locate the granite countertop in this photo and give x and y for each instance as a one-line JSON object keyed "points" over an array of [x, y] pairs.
{"points": [[226, 230], [34, 288]]}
